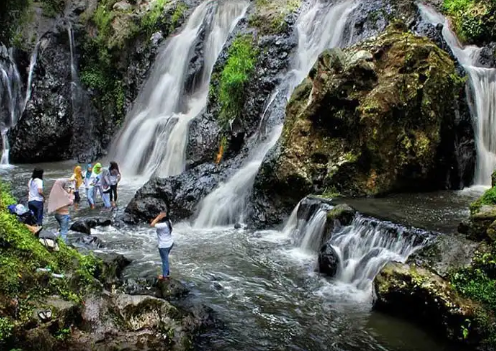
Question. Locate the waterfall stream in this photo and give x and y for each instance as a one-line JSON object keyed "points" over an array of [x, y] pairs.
{"points": [[154, 136], [482, 90], [10, 97], [321, 26]]}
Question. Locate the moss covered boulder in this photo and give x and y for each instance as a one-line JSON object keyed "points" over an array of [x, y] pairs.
{"points": [[425, 297], [481, 224], [370, 119]]}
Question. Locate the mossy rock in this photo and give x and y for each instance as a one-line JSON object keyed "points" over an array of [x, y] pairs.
{"points": [[419, 294], [370, 119]]}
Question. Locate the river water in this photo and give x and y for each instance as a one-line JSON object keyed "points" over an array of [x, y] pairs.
{"points": [[260, 284]]}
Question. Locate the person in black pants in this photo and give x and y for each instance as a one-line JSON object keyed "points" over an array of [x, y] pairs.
{"points": [[36, 197], [115, 178]]}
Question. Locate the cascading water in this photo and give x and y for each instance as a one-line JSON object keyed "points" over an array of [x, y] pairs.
{"points": [[310, 236], [154, 136], [10, 97], [482, 89], [366, 245], [321, 27]]}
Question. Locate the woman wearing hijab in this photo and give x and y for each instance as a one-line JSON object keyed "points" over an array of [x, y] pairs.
{"points": [[77, 179], [59, 202], [90, 190], [101, 183]]}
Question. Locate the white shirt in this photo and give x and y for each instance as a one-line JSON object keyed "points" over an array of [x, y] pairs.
{"points": [[34, 185], [164, 235]]}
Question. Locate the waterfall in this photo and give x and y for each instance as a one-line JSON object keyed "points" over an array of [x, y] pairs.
{"points": [[366, 245], [11, 99], [32, 64], [312, 233], [481, 89], [154, 136], [320, 27]]}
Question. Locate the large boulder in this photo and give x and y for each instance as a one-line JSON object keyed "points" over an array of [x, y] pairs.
{"points": [[370, 119], [85, 225], [425, 297]]}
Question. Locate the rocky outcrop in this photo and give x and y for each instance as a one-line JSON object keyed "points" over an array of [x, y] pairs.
{"points": [[328, 261], [423, 296], [481, 225], [86, 224], [368, 120]]}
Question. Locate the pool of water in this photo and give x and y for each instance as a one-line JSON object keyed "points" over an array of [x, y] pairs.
{"points": [[263, 288]]}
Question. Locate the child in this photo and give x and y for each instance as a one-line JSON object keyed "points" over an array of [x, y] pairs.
{"points": [[165, 241]]}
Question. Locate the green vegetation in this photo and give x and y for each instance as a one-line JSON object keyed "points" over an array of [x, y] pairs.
{"points": [[22, 289], [52, 8], [473, 20], [478, 282], [270, 16], [234, 77], [12, 15], [488, 198]]}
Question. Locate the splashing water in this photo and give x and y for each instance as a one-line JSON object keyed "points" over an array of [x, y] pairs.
{"points": [[365, 246], [482, 89], [319, 28], [154, 136]]}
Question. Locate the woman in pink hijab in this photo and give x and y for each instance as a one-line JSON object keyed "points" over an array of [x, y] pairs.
{"points": [[59, 202]]}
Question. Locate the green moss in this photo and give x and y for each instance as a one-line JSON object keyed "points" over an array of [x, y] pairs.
{"points": [[20, 255], [150, 19], [478, 282], [488, 198], [177, 16], [234, 77], [270, 16], [474, 20]]}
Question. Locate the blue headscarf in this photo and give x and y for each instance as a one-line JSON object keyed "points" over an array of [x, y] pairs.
{"points": [[88, 171]]}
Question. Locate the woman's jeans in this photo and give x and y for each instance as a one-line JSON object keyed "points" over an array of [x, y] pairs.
{"points": [[90, 194], [63, 220], [164, 255], [37, 208]]}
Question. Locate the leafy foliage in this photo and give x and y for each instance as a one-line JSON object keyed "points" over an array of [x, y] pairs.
{"points": [[474, 20], [235, 76], [478, 282], [12, 13]]}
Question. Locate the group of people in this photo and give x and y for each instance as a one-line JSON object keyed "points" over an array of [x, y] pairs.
{"points": [[65, 192], [96, 180]]}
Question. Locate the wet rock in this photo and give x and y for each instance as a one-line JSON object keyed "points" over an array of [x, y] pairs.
{"points": [[110, 273], [349, 105], [171, 289], [86, 224], [445, 253], [328, 260], [179, 195], [423, 296], [88, 242]]}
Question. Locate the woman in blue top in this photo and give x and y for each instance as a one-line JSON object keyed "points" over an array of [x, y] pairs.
{"points": [[165, 242]]}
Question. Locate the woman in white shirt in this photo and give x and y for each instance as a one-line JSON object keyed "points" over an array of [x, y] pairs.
{"points": [[36, 197], [165, 241]]}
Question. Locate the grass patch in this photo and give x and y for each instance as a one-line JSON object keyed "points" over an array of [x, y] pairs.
{"points": [[488, 198], [20, 255], [474, 20], [235, 76]]}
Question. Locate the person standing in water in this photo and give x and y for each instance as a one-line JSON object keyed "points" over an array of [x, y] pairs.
{"points": [[165, 242], [36, 196], [97, 176], [59, 201], [115, 178], [90, 190], [77, 179]]}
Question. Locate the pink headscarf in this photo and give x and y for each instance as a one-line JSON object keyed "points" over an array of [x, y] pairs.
{"points": [[59, 197]]}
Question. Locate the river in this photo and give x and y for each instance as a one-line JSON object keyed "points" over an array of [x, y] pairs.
{"points": [[262, 287]]}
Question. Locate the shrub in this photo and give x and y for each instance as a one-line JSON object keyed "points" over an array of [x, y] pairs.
{"points": [[234, 77], [488, 198]]}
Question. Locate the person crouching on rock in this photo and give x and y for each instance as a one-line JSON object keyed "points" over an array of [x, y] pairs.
{"points": [[165, 242], [59, 202]]}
